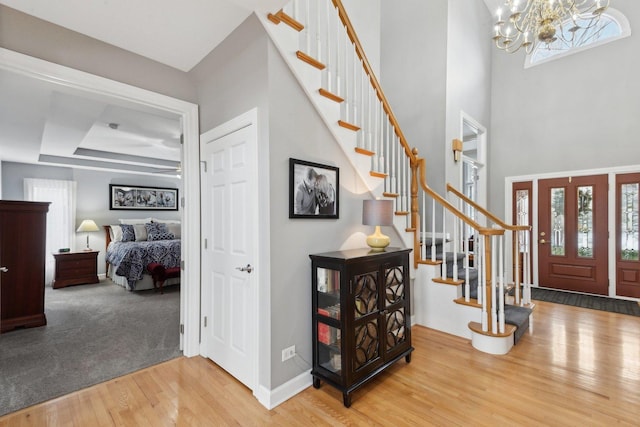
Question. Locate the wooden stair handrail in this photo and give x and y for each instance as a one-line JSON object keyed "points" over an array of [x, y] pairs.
{"points": [[374, 81], [444, 202], [486, 213]]}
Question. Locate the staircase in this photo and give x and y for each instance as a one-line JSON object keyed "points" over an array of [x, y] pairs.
{"points": [[456, 290]]}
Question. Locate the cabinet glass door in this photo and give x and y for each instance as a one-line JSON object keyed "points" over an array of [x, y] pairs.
{"points": [[329, 339], [367, 336], [395, 307]]}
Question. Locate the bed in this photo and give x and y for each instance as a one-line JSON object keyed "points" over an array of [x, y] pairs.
{"points": [[127, 259]]}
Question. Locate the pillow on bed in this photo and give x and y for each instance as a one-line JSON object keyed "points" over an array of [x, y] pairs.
{"points": [[166, 221], [174, 229], [128, 233], [155, 227], [140, 231], [161, 236], [116, 233], [135, 221]]}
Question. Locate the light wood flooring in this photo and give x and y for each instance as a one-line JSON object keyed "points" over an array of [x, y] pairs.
{"points": [[579, 368]]}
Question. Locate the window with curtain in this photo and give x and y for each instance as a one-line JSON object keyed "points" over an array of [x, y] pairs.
{"points": [[61, 218]]}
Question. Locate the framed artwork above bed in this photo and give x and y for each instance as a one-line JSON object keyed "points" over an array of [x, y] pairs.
{"points": [[137, 198]]}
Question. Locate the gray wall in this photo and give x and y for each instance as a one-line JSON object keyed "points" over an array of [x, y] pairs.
{"points": [[413, 66], [32, 36], [574, 113], [365, 18], [92, 195], [468, 73]]}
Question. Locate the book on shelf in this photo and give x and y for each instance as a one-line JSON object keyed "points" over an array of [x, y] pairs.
{"points": [[328, 280], [327, 334], [332, 311]]}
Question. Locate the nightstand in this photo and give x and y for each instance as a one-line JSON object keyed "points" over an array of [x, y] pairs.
{"points": [[75, 268]]}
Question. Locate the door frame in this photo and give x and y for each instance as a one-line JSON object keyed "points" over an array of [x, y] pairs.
{"points": [[611, 250], [190, 200]]}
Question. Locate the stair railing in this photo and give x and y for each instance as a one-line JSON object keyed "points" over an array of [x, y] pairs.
{"points": [[520, 244], [328, 42]]}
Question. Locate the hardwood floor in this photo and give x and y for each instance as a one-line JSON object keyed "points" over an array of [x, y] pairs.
{"points": [[579, 367]]}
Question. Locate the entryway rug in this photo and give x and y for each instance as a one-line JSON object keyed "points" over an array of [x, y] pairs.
{"points": [[586, 301]]}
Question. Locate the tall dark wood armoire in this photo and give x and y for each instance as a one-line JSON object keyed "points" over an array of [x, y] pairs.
{"points": [[23, 230]]}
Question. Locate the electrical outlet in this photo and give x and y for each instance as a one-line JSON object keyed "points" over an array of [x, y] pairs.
{"points": [[288, 353]]}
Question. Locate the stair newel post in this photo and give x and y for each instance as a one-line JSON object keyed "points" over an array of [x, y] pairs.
{"points": [[414, 208], [501, 284], [487, 284]]}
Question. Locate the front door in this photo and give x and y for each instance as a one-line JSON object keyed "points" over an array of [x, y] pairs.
{"points": [[229, 203], [572, 234], [628, 234]]}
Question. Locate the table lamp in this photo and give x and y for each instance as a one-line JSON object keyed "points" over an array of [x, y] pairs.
{"points": [[87, 225], [377, 212]]}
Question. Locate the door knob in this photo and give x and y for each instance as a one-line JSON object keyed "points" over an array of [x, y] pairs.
{"points": [[4, 269], [248, 268], [542, 241]]}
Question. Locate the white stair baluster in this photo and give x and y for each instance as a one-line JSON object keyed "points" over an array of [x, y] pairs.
{"points": [[433, 230], [481, 291], [501, 289], [423, 239], [494, 314], [444, 242]]}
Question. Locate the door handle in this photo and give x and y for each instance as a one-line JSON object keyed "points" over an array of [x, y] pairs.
{"points": [[4, 270], [248, 268], [542, 241]]}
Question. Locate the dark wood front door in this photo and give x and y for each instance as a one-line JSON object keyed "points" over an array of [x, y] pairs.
{"points": [[627, 233], [572, 234]]}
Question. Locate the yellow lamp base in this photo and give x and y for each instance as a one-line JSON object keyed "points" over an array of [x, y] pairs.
{"points": [[378, 241]]}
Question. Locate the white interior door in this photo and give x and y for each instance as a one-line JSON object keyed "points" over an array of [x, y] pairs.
{"points": [[229, 201]]}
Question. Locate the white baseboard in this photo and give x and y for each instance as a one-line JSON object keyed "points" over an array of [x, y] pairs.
{"points": [[272, 398]]}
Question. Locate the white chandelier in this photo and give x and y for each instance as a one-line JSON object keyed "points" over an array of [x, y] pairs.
{"points": [[522, 24]]}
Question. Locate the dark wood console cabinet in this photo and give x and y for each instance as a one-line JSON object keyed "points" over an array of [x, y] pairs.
{"points": [[361, 315], [23, 230], [75, 268]]}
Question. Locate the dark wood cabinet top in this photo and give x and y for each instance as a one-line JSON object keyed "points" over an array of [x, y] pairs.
{"points": [[351, 255]]}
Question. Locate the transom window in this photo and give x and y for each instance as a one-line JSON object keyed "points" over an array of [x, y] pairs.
{"points": [[613, 25]]}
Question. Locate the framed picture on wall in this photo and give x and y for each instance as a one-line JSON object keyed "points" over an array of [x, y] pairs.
{"points": [[127, 197], [313, 190]]}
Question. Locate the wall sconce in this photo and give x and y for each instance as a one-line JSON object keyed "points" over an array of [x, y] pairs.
{"points": [[456, 145]]}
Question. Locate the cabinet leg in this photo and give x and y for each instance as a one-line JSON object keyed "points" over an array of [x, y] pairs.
{"points": [[316, 382], [346, 399], [407, 358]]}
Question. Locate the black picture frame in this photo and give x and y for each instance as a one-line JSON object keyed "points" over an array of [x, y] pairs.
{"points": [[320, 202], [139, 198]]}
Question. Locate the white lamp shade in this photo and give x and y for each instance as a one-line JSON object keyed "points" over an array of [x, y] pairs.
{"points": [[377, 212], [88, 225]]}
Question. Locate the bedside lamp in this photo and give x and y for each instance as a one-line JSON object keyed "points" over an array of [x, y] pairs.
{"points": [[87, 225], [377, 212]]}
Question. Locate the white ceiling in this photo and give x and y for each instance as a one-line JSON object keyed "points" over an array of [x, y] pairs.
{"points": [[46, 123], [175, 33]]}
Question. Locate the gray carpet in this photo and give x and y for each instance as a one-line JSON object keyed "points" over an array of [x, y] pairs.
{"points": [[94, 333], [586, 301]]}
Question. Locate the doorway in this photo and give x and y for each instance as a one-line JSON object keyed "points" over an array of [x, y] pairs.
{"points": [[573, 234]]}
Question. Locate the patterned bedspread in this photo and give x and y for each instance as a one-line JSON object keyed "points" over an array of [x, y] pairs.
{"points": [[130, 259]]}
